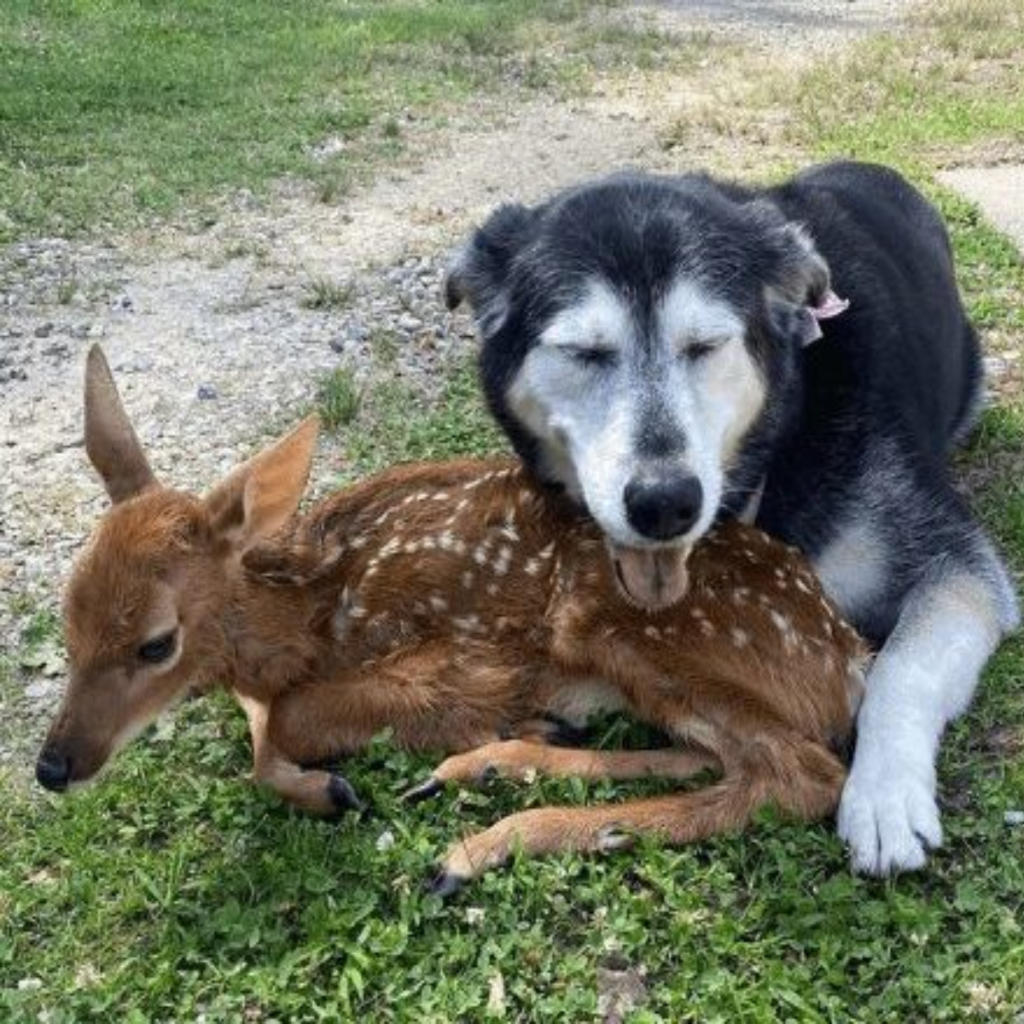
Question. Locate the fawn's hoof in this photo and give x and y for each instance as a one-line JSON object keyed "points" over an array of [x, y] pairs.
{"points": [[424, 790], [445, 884], [343, 796]]}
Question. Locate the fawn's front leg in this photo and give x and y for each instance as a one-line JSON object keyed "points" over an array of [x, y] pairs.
{"points": [[318, 792]]}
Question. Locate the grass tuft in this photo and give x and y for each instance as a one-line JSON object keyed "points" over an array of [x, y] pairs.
{"points": [[338, 399], [322, 293]]}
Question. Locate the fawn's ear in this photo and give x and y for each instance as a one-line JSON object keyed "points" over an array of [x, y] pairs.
{"points": [[110, 442], [259, 497]]}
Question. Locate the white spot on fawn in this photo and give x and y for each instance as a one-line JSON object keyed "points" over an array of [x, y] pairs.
{"points": [[740, 637], [502, 561]]}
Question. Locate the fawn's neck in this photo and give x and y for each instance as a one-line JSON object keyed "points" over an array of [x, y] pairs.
{"points": [[269, 640]]}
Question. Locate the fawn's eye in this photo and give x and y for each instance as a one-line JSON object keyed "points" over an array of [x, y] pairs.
{"points": [[159, 649]]}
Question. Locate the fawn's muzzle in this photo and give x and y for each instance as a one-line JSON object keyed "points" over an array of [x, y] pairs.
{"points": [[53, 770]]}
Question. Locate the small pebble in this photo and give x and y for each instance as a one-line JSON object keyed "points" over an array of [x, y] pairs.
{"points": [[207, 393]]}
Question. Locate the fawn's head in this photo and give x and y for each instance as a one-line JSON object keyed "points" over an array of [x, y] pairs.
{"points": [[143, 606]]}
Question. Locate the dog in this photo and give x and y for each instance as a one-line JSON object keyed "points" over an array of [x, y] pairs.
{"points": [[674, 351]]}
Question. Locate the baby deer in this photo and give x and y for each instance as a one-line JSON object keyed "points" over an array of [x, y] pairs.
{"points": [[462, 607]]}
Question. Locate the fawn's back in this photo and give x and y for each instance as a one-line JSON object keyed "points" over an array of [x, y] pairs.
{"points": [[470, 558]]}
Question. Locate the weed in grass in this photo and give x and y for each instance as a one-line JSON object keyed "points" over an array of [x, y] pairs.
{"points": [[338, 398], [42, 627], [331, 187], [67, 288], [241, 249], [385, 345], [322, 293]]}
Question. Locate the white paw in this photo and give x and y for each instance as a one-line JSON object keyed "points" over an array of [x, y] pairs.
{"points": [[889, 820]]}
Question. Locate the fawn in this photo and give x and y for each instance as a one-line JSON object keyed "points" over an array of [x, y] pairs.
{"points": [[467, 610]]}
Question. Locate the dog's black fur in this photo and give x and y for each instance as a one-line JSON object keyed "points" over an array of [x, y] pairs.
{"points": [[856, 428]]}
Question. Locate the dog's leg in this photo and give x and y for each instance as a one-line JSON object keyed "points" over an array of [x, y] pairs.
{"points": [[519, 758], [923, 677]]}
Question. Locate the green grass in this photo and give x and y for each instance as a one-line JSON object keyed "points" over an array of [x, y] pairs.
{"points": [[114, 113], [403, 426], [957, 83], [325, 294], [172, 889], [338, 399]]}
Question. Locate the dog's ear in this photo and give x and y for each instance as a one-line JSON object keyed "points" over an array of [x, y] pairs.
{"points": [[479, 273], [801, 273], [798, 291]]}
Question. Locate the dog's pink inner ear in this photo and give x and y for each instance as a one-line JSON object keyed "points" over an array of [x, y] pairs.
{"points": [[829, 306]]}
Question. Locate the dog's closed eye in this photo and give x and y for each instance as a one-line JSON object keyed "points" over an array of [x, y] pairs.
{"points": [[592, 356], [699, 348]]}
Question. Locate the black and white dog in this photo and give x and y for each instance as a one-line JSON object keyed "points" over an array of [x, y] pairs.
{"points": [[646, 345]]}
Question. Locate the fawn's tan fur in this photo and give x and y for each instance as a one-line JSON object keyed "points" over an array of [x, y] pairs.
{"points": [[457, 604]]}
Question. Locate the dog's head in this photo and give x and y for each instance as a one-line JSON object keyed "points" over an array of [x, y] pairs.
{"points": [[635, 334]]}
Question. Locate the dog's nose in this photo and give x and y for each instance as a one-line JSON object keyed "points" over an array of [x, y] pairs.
{"points": [[53, 770], [663, 509]]}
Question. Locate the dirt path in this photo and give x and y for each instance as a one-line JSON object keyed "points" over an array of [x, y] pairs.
{"points": [[209, 332]]}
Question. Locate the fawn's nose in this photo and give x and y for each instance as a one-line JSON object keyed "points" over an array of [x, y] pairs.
{"points": [[53, 770], [665, 508]]}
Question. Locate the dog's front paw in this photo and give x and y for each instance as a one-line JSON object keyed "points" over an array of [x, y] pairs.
{"points": [[889, 820]]}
